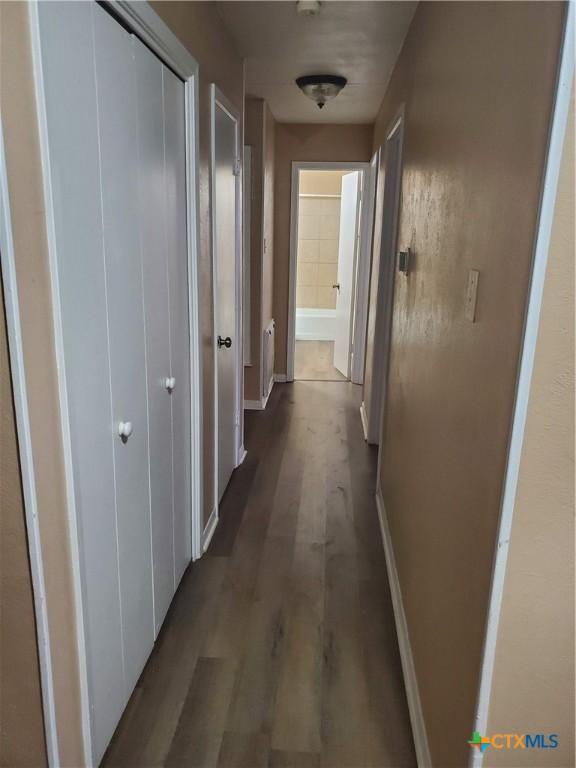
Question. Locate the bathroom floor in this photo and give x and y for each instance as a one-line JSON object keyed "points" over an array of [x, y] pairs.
{"points": [[313, 361]]}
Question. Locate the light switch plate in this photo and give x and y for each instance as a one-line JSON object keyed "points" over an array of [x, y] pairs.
{"points": [[472, 294]]}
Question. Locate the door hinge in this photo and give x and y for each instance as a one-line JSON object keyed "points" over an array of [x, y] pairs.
{"points": [[237, 167]]}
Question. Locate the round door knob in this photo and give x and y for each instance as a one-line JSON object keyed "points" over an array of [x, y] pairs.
{"points": [[125, 429], [170, 383], [227, 342]]}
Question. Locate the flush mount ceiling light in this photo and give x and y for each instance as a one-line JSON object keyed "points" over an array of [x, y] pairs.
{"points": [[321, 88], [308, 7]]}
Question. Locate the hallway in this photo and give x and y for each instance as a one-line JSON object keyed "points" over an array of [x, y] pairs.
{"points": [[280, 648]]}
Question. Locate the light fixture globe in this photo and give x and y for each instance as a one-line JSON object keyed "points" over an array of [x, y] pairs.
{"points": [[321, 88]]}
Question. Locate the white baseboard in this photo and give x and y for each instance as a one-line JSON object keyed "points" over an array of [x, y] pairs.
{"points": [[410, 680], [259, 405], [253, 405], [209, 529], [280, 378], [265, 399], [364, 420], [242, 453]]}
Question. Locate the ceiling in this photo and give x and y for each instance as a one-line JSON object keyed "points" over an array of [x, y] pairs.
{"points": [[359, 40]]}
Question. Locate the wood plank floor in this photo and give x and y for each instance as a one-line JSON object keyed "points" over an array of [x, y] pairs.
{"points": [[279, 649], [314, 361]]}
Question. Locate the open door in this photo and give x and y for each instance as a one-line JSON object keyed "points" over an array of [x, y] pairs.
{"points": [[347, 248]]}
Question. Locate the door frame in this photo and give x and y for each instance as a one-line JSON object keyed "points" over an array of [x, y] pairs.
{"points": [[374, 417], [362, 269], [218, 99], [143, 21], [25, 455]]}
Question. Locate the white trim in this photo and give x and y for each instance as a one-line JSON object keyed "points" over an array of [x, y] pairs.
{"points": [[241, 455], [73, 533], [217, 98], [247, 255], [385, 297], [362, 298], [409, 672], [359, 310], [280, 378], [262, 250], [254, 405], [18, 373], [260, 405], [364, 421], [148, 26], [541, 249], [208, 531], [193, 234]]}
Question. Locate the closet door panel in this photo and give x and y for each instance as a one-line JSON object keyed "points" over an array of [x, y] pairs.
{"points": [[116, 89], [67, 59], [156, 302], [175, 167]]}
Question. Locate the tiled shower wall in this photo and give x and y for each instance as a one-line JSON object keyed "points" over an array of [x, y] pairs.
{"points": [[318, 231]]}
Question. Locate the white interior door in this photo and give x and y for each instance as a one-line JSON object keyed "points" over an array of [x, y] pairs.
{"points": [[177, 258], [384, 260], [224, 202], [347, 248], [67, 54], [116, 133], [118, 129], [152, 195]]}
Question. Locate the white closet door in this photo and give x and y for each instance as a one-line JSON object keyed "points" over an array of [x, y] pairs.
{"points": [[67, 56], [177, 255], [156, 302], [117, 115]]}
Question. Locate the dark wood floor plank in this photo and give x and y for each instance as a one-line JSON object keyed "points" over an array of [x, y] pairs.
{"points": [[244, 750], [225, 637], [251, 709], [200, 729], [283, 759], [145, 733], [280, 647], [297, 716]]}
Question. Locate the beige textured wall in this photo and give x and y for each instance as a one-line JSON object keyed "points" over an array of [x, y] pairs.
{"points": [[260, 129], [200, 29], [299, 142], [17, 104], [477, 80], [321, 182], [21, 721], [533, 684]]}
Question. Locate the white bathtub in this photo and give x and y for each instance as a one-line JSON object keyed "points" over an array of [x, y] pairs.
{"points": [[315, 324]]}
